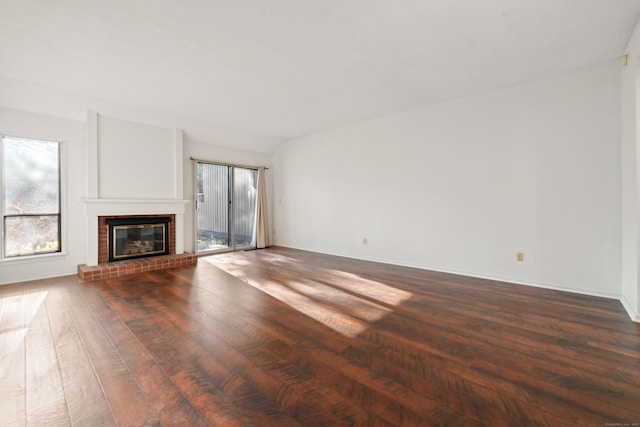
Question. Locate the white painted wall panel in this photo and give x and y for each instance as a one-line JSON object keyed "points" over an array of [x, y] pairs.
{"points": [[135, 161], [630, 176], [463, 186]]}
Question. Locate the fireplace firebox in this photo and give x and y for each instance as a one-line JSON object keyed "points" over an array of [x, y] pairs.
{"points": [[137, 237]]}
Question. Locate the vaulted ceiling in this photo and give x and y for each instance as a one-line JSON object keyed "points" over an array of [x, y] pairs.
{"points": [[252, 73]]}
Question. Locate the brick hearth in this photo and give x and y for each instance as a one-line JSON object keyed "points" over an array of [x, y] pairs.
{"points": [[111, 270]]}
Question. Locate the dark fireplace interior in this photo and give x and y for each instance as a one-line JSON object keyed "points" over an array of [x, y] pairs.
{"points": [[137, 237]]}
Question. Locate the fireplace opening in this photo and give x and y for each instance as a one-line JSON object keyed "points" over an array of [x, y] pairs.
{"points": [[137, 237]]}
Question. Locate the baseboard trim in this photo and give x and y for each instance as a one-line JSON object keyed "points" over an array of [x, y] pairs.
{"points": [[509, 280], [629, 308]]}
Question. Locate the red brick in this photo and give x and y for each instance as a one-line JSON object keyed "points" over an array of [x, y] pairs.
{"points": [[124, 268]]}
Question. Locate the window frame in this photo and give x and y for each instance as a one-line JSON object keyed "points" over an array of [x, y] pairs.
{"points": [[61, 214]]}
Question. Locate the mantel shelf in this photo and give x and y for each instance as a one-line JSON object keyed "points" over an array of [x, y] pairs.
{"points": [[133, 206]]}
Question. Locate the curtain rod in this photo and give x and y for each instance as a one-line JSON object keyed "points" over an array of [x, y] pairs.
{"points": [[226, 164]]}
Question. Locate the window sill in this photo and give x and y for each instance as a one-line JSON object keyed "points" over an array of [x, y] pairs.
{"points": [[33, 258]]}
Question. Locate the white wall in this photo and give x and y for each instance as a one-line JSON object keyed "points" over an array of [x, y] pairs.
{"points": [[135, 160], [630, 175], [462, 186], [213, 153], [29, 125]]}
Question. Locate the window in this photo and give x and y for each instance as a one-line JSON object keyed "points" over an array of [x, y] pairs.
{"points": [[30, 197]]}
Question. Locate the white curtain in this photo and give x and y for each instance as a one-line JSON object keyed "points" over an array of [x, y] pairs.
{"points": [[262, 218]]}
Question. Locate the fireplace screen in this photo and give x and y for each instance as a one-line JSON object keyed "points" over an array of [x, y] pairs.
{"points": [[137, 237]]}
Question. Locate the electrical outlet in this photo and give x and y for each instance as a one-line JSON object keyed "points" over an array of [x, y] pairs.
{"points": [[520, 256], [365, 241]]}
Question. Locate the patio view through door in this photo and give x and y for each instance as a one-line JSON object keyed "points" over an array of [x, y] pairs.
{"points": [[226, 199]]}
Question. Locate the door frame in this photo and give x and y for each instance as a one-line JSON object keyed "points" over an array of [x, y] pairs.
{"points": [[231, 210]]}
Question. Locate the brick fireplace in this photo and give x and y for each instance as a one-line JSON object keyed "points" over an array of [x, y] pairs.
{"points": [[100, 210]]}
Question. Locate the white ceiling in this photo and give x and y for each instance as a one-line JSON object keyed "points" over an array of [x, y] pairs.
{"points": [[251, 73]]}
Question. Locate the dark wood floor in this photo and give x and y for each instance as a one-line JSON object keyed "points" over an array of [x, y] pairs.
{"points": [[281, 337]]}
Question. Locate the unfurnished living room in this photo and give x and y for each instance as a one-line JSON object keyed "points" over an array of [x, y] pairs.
{"points": [[319, 213]]}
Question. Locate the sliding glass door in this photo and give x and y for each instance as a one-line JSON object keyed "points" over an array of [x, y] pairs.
{"points": [[226, 199]]}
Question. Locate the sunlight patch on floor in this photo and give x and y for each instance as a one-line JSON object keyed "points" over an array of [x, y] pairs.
{"points": [[330, 316], [342, 301], [370, 288], [12, 333]]}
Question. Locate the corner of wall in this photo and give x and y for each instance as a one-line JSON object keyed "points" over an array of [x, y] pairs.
{"points": [[630, 174], [629, 309]]}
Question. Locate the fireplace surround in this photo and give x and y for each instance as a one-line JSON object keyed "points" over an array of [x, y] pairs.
{"points": [[107, 269], [114, 189], [97, 210]]}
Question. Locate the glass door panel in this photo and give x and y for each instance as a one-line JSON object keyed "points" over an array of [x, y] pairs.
{"points": [[212, 207], [245, 190]]}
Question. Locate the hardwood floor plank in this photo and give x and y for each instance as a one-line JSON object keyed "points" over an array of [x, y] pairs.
{"points": [[86, 402], [466, 361], [173, 407], [315, 349], [187, 365], [456, 348], [127, 402], [200, 388], [214, 347], [283, 337], [489, 341], [383, 387], [46, 404], [318, 349], [13, 329]]}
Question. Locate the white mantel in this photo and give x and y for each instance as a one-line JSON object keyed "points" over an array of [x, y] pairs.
{"points": [[103, 207]]}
